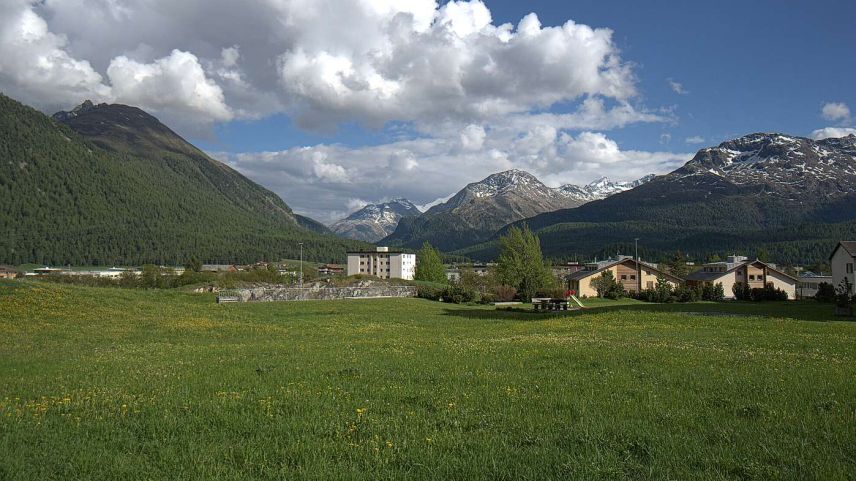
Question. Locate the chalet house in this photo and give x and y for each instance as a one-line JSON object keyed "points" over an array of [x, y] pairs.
{"points": [[331, 270], [843, 259], [632, 275], [736, 269], [7, 272]]}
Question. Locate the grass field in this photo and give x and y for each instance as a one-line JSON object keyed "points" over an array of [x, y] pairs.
{"points": [[135, 384]]}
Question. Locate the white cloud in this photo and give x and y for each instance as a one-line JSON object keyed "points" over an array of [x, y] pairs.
{"points": [[677, 87], [836, 111], [320, 61], [696, 139], [665, 138], [556, 157], [176, 84], [832, 132]]}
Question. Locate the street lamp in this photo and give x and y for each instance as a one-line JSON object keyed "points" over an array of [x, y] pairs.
{"points": [[638, 268], [301, 266]]}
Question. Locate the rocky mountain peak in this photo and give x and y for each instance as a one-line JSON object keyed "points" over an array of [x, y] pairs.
{"points": [[375, 221], [600, 188]]}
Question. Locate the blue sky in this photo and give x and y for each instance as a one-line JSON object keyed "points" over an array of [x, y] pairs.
{"points": [[336, 103], [745, 66]]}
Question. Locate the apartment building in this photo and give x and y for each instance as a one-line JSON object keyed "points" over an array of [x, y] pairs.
{"points": [[382, 263]]}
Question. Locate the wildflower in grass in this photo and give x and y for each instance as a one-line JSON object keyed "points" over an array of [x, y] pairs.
{"points": [[361, 411], [429, 440], [389, 444]]}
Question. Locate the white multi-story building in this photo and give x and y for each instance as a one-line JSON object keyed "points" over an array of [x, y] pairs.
{"points": [[382, 263]]}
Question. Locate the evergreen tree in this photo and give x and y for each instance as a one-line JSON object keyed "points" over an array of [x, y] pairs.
{"points": [[678, 265], [521, 264], [429, 265]]}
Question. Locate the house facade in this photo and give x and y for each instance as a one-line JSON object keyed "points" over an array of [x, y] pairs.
{"points": [[632, 276], [7, 272], [382, 263], [739, 269], [809, 284], [843, 260]]}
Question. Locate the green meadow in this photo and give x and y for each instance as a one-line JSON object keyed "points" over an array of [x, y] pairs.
{"points": [[102, 383]]}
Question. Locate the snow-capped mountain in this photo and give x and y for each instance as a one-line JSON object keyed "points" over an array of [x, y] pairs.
{"points": [[600, 189], [517, 190], [375, 221], [780, 165], [479, 210]]}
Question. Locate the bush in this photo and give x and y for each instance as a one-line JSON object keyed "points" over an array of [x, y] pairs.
{"points": [[552, 293], [767, 293], [505, 293], [685, 293], [714, 293], [607, 287], [429, 292], [488, 298], [741, 291], [459, 295], [825, 293]]}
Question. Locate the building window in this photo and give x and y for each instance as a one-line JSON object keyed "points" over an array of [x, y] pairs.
{"points": [[850, 268], [623, 277], [752, 277], [633, 277]]}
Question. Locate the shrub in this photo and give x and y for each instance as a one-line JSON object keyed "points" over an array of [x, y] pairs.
{"points": [[714, 293], [685, 293], [842, 294], [825, 293], [505, 293], [741, 291], [607, 287], [553, 293], [767, 293], [429, 292], [459, 295]]}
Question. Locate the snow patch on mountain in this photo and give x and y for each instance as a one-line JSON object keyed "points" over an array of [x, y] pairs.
{"points": [[600, 188], [375, 221]]}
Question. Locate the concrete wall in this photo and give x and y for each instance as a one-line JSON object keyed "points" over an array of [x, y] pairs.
{"points": [[270, 294]]}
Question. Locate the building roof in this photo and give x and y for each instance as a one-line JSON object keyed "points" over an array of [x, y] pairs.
{"points": [[576, 276], [376, 252], [701, 275], [849, 247]]}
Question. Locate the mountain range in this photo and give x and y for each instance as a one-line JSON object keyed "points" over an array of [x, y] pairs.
{"points": [[110, 184], [789, 198], [375, 221]]}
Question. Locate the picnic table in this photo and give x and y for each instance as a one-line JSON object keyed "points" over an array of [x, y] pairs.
{"points": [[550, 304]]}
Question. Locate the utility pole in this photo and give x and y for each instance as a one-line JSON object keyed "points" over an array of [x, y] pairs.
{"points": [[301, 265], [638, 268]]}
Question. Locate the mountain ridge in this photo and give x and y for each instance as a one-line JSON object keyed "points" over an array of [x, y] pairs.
{"points": [[373, 222]]}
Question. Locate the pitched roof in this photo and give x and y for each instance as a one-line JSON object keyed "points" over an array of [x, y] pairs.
{"points": [[701, 275], [576, 276], [849, 247]]}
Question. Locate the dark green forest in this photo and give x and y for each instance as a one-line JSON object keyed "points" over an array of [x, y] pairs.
{"points": [[146, 198]]}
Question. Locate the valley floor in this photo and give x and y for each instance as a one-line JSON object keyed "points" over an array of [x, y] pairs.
{"points": [[148, 384]]}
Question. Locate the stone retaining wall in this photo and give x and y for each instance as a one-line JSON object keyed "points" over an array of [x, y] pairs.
{"points": [[271, 294]]}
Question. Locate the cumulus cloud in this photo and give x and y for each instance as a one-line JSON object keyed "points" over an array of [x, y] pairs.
{"points": [[555, 156], [475, 96], [836, 112], [832, 132], [320, 61]]}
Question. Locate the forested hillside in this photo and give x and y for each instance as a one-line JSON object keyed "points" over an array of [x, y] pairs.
{"points": [[127, 190]]}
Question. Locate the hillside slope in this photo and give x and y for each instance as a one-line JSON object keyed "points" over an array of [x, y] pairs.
{"points": [[115, 185], [789, 196]]}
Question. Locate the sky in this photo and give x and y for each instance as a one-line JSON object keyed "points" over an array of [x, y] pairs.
{"points": [[333, 104]]}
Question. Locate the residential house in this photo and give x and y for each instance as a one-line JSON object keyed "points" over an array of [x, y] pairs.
{"points": [[739, 269], [843, 259], [382, 263], [7, 272], [809, 283], [632, 275], [331, 270]]}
